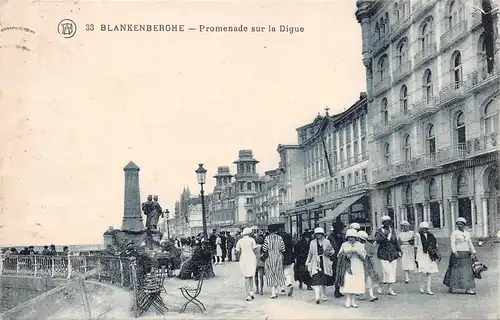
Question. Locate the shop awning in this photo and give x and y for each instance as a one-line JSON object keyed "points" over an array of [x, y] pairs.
{"points": [[331, 215]]}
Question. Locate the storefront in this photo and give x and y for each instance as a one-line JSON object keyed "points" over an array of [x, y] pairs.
{"points": [[306, 215]]}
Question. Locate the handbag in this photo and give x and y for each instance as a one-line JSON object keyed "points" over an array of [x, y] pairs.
{"points": [[263, 255]]}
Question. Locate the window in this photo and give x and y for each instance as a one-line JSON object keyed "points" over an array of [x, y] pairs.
{"points": [[253, 167], [407, 148], [388, 198], [321, 169], [349, 155], [363, 147], [385, 112], [249, 200], [365, 178], [249, 186], [355, 128], [462, 184], [395, 12], [382, 28], [454, 14], [402, 52], [349, 179], [336, 184], [377, 31], [247, 166], [428, 91], [356, 177], [403, 99], [457, 69], [383, 68], [431, 140], [426, 34], [331, 186], [460, 134], [433, 189], [387, 154], [342, 181], [356, 149], [362, 124], [491, 117], [348, 133], [341, 156], [326, 187], [241, 167], [242, 186], [341, 138]]}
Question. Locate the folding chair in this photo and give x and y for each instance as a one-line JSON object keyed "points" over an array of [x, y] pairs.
{"points": [[191, 294], [161, 274], [150, 295]]}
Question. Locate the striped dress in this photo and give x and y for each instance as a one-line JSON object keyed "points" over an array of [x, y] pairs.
{"points": [[274, 246]]}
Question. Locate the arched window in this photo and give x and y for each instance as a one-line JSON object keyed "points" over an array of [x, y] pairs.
{"points": [[408, 197], [250, 215], [382, 28], [377, 30], [426, 34], [428, 90], [491, 119], [462, 184], [382, 67], [387, 154], [460, 134], [386, 21], [431, 140], [388, 198], [407, 148], [395, 11], [482, 56], [456, 73], [385, 112], [402, 51], [249, 186], [403, 99], [454, 14], [433, 189]]}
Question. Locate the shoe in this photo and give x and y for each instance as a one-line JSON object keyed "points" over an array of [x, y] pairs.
{"points": [[248, 298], [391, 292], [407, 281], [470, 292], [300, 286], [274, 296], [309, 288], [354, 305], [338, 294], [422, 291], [252, 295], [379, 290], [450, 290], [348, 305], [324, 298], [317, 301], [429, 292], [261, 293], [290, 291], [372, 299], [360, 297], [257, 292]]}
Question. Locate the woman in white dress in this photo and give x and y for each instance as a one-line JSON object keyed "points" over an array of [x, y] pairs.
{"points": [[354, 279], [427, 256], [406, 240], [248, 262], [218, 249]]}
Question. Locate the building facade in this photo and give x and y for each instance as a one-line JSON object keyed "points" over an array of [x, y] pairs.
{"points": [[187, 215], [267, 201], [221, 204], [324, 178], [432, 76]]}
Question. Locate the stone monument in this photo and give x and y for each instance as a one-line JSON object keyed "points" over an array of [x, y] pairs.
{"points": [[132, 229]]}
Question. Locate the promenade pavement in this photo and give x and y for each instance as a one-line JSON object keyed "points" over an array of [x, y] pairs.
{"points": [[224, 298]]}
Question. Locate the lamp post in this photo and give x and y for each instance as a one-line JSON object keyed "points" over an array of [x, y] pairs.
{"points": [[167, 214], [201, 174]]}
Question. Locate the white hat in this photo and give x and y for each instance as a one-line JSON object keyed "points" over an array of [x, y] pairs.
{"points": [[424, 224], [332, 228], [385, 218], [143, 244], [319, 230], [461, 219], [404, 223], [355, 225], [351, 233], [246, 231], [363, 235]]}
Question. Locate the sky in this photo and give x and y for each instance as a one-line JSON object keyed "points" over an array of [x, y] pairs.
{"points": [[75, 111]]}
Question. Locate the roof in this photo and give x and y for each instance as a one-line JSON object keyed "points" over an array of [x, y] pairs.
{"points": [[131, 166]]}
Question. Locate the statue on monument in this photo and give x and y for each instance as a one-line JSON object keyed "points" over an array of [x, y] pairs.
{"points": [[147, 208], [157, 212]]}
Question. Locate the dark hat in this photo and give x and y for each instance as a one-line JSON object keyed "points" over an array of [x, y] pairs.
{"points": [[274, 227]]}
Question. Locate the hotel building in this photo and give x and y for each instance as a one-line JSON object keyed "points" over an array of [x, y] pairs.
{"points": [[432, 75]]}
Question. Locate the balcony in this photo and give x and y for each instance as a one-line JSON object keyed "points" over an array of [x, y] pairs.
{"points": [[420, 7], [452, 93], [423, 162], [484, 144], [381, 129], [400, 120], [382, 85], [477, 19], [453, 34], [400, 26], [401, 71], [380, 43], [382, 174], [423, 108], [426, 54], [452, 153], [481, 78]]}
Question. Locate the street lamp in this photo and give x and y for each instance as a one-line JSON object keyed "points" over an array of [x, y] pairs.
{"points": [[201, 174]]}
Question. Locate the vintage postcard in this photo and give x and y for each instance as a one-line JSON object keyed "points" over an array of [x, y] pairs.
{"points": [[321, 159]]}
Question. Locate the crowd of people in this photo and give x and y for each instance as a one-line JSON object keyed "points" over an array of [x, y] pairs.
{"points": [[348, 261]]}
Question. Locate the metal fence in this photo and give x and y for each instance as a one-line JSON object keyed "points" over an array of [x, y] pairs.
{"points": [[112, 269]]}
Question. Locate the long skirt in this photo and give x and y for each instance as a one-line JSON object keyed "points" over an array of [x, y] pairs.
{"points": [[274, 270], [322, 279], [389, 271], [459, 274], [301, 273], [355, 282]]}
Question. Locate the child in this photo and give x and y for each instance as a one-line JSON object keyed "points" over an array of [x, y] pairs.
{"points": [[371, 276], [353, 282], [259, 271]]}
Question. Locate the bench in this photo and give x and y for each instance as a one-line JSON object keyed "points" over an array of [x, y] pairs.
{"points": [[191, 294]]}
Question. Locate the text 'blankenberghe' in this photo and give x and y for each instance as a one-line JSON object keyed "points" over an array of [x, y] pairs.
{"points": [[282, 28]]}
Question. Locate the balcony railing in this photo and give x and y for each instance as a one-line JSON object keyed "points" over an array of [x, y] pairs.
{"points": [[481, 76], [381, 85], [402, 70], [420, 7], [452, 153], [380, 43], [477, 19], [424, 161], [425, 54], [452, 93], [400, 119], [424, 107], [380, 129], [453, 34], [399, 26]]}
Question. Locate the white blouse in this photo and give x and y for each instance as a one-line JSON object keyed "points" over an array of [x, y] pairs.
{"points": [[461, 241]]}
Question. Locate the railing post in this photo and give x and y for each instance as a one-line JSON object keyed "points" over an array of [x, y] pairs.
{"points": [[53, 267], [99, 269], [121, 272], [17, 266], [85, 264], [36, 267], [69, 266]]}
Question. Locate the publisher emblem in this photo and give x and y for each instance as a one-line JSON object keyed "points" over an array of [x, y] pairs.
{"points": [[66, 28]]}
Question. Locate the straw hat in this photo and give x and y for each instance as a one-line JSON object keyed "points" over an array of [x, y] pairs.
{"points": [[362, 235], [385, 218], [423, 224], [319, 230], [246, 231], [351, 233], [461, 219], [355, 225], [404, 223]]}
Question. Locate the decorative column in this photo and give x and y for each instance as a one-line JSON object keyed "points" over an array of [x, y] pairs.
{"points": [[416, 215], [402, 210], [485, 215], [441, 216], [132, 215], [452, 207], [473, 214], [426, 213]]}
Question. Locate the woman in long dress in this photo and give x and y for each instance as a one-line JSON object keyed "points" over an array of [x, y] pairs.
{"points": [[259, 272], [248, 263], [354, 279], [459, 274], [273, 266], [319, 264], [301, 250], [427, 256], [218, 249], [406, 240]]}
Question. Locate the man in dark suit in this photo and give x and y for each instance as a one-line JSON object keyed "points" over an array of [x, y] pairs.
{"points": [[288, 260], [211, 241]]}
